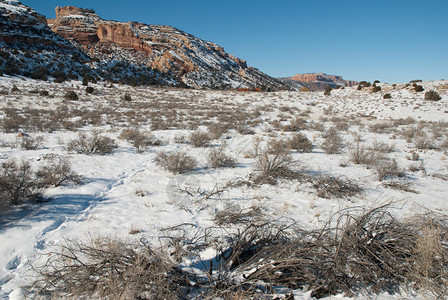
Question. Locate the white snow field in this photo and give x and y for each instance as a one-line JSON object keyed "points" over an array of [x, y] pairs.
{"points": [[126, 195]]}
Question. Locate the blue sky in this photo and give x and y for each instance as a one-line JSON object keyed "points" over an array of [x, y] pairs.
{"points": [[386, 40]]}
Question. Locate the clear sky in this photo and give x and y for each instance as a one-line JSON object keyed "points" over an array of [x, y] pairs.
{"points": [[386, 40]]}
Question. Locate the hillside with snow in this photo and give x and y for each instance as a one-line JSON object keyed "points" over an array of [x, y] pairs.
{"points": [[287, 164], [79, 44]]}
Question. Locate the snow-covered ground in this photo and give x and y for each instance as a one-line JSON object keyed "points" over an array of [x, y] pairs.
{"points": [[126, 195]]}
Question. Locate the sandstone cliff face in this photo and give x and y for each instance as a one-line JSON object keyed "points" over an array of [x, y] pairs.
{"points": [[195, 62]]}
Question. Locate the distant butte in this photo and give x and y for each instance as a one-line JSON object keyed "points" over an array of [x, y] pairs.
{"points": [[319, 81]]}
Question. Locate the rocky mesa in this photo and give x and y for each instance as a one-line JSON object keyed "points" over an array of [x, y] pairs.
{"points": [[319, 81]]}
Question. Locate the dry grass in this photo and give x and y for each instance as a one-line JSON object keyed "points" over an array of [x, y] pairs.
{"points": [[400, 185], [328, 186], [234, 214]]}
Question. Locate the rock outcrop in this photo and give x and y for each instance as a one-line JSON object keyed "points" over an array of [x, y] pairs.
{"points": [[195, 62], [30, 48], [19, 24]]}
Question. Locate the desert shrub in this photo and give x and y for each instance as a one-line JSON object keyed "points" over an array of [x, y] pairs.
{"points": [[444, 144], [364, 84], [181, 139], [388, 170], [401, 121], [217, 130], [342, 125], [361, 155], [274, 162], [177, 162], [30, 143], [243, 128], [57, 170], [423, 142], [107, 268], [219, 159], [318, 126], [432, 96], [357, 251], [328, 186], [376, 88], [382, 147], [333, 142], [59, 79], [295, 125], [89, 90], [409, 133], [18, 182], [387, 96], [417, 88], [414, 156], [92, 144], [127, 97], [300, 143], [71, 95], [200, 139], [13, 121], [44, 93], [381, 127], [328, 90], [140, 140], [366, 250], [420, 166]]}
